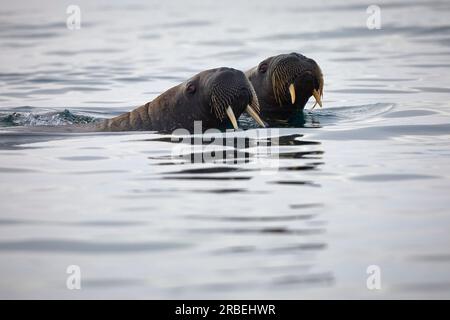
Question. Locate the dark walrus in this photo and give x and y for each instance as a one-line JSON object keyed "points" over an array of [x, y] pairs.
{"points": [[284, 83], [211, 96]]}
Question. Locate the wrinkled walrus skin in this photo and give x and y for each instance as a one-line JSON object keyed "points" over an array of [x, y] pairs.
{"points": [[213, 96], [284, 84]]}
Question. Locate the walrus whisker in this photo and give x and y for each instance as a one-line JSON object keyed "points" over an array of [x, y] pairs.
{"points": [[217, 106], [255, 105], [281, 77], [321, 82], [254, 98], [232, 118]]}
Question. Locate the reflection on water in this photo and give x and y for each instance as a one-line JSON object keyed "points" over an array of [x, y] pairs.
{"points": [[300, 211]]}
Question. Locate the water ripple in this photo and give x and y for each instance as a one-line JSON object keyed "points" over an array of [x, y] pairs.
{"points": [[86, 247]]}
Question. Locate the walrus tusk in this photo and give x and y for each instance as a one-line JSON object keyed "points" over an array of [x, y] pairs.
{"points": [[292, 92], [230, 115], [255, 116], [316, 95]]}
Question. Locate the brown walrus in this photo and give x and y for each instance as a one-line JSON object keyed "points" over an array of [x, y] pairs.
{"points": [[213, 96], [284, 83]]}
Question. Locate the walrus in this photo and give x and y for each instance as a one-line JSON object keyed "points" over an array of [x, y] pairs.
{"points": [[284, 84], [213, 96]]}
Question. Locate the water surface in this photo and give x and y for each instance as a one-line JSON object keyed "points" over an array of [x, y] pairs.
{"points": [[364, 181]]}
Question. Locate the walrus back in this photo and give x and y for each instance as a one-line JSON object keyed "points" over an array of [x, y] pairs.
{"points": [[137, 119]]}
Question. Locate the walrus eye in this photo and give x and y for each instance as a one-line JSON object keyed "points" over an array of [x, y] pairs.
{"points": [[190, 88], [263, 68]]}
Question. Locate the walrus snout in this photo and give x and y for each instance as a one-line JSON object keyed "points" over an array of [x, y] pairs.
{"points": [[233, 94]]}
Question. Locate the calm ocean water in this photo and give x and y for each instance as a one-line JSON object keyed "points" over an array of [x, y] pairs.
{"points": [[366, 180]]}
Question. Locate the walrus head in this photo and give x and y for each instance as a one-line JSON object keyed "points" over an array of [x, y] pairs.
{"points": [[284, 83], [215, 97], [228, 93]]}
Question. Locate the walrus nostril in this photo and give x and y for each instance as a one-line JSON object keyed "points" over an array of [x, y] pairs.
{"points": [[244, 91], [243, 96]]}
